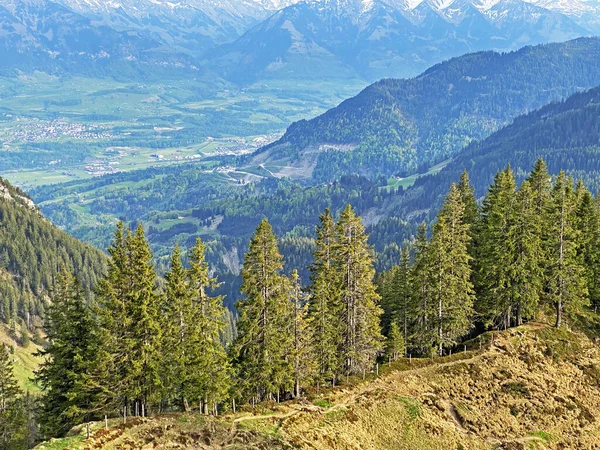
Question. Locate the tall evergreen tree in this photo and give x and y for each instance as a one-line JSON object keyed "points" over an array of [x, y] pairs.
{"points": [[361, 312], [467, 195], [566, 279], [208, 363], [422, 293], [527, 271], [451, 272], [262, 344], [303, 355], [12, 419], [130, 315], [178, 322], [69, 389], [496, 253], [540, 182], [402, 291], [324, 314], [588, 227]]}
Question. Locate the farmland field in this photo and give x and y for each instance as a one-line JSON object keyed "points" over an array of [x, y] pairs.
{"points": [[59, 129]]}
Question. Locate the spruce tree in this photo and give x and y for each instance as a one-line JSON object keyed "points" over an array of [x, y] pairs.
{"points": [[496, 253], [130, 316], [402, 290], [208, 363], [567, 290], [262, 344], [453, 293], [361, 313], [395, 346], [303, 355], [11, 411], [467, 195], [177, 324], [324, 313], [540, 182], [70, 392], [588, 227], [422, 293], [527, 268]]}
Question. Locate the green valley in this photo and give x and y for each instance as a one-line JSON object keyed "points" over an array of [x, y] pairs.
{"points": [[59, 128]]}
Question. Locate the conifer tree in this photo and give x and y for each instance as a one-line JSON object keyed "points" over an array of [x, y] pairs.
{"points": [[467, 195], [422, 293], [12, 419], [402, 291], [69, 389], [146, 330], [208, 364], [496, 296], [588, 227], [130, 315], [566, 279], [361, 312], [324, 313], [177, 325], [541, 188], [453, 293], [395, 346], [262, 344], [303, 356], [524, 238]]}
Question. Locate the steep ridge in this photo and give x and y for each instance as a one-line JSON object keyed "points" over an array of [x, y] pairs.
{"points": [[565, 134], [32, 252], [398, 126]]}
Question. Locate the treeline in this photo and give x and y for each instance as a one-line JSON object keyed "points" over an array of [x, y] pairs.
{"points": [[145, 346], [142, 348], [524, 250]]}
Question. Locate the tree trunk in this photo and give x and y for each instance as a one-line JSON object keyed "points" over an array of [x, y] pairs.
{"points": [[558, 314]]}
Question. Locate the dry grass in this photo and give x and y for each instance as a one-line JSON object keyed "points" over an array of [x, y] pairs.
{"points": [[528, 388]]}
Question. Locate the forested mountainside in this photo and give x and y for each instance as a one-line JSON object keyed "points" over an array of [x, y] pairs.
{"points": [[396, 127], [486, 398], [32, 252], [180, 204], [566, 134]]}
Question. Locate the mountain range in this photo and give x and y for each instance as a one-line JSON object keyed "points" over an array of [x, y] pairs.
{"points": [[251, 40], [382, 38], [400, 127]]}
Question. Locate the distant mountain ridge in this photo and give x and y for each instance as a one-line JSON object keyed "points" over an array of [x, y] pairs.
{"points": [[245, 41], [383, 38], [402, 126]]}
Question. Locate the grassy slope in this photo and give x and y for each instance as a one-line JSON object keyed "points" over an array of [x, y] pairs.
{"points": [[530, 387], [25, 361]]}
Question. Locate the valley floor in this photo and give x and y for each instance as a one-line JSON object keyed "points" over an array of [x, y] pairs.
{"points": [[529, 387]]}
